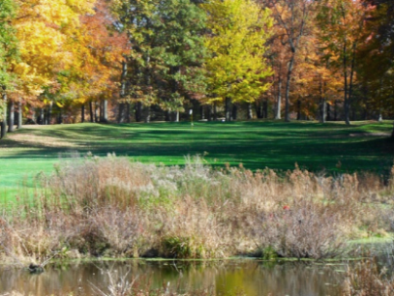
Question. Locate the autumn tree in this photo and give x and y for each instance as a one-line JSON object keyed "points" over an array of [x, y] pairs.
{"points": [[292, 19], [278, 56], [341, 26], [316, 85], [43, 29], [377, 55], [97, 49], [236, 67]]}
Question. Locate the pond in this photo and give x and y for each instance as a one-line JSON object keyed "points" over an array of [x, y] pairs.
{"points": [[228, 277]]}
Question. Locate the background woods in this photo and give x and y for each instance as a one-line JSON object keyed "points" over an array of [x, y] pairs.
{"points": [[125, 60]]}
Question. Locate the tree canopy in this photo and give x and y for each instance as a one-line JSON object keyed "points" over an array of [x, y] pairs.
{"points": [[327, 60]]}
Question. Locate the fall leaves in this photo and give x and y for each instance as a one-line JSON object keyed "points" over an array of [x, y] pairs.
{"points": [[313, 54]]}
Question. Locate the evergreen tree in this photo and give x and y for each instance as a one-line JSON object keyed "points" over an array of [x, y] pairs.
{"points": [[168, 51]]}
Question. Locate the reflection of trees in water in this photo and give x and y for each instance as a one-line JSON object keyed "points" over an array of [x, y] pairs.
{"points": [[281, 279], [225, 277]]}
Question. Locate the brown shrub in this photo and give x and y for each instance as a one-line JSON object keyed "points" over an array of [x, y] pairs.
{"points": [[110, 206]]}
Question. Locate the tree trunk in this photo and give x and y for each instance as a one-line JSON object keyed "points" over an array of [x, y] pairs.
{"points": [[138, 112], [227, 109], [120, 116], [323, 104], [380, 117], [96, 112], [123, 91], [20, 114], [365, 113], [45, 122], [83, 113], [298, 109], [287, 95], [335, 110], [350, 94], [104, 113], [215, 112], [234, 113], [328, 112], [60, 116], [323, 111], [49, 116], [202, 112], [11, 118], [265, 109], [176, 116], [123, 79], [147, 114], [167, 115], [250, 111], [127, 113], [345, 74], [4, 122], [279, 100], [91, 111], [34, 116], [258, 109], [40, 119], [209, 112]]}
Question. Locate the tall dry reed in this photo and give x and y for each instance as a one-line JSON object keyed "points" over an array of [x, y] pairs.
{"points": [[113, 207], [367, 279]]}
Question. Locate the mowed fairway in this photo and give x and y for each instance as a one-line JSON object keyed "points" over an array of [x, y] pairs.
{"points": [[331, 147]]}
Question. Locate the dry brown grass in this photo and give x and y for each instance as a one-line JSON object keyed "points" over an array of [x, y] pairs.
{"points": [[113, 207], [366, 279]]}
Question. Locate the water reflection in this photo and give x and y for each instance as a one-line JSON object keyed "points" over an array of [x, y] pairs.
{"points": [[249, 277]]}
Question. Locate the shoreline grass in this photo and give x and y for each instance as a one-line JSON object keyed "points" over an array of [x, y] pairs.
{"points": [[112, 207]]}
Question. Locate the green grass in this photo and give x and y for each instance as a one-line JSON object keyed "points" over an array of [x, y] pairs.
{"points": [[314, 146]]}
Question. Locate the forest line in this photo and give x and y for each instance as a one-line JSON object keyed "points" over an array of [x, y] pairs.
{"points": [[128, 60]]}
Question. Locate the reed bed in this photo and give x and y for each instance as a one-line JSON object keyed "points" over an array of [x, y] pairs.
{"points": [[116, 208], [368, 279]]}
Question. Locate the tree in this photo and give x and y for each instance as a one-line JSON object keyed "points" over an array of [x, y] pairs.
{"points": [[384, 16], [44, 29], [292, 21], [8, 52], [378, 55], [341, 27], [164, 67], [97, 49], [236, 67]]}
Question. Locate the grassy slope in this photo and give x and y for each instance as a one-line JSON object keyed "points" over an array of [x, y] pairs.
{"points": [[255, 144]]}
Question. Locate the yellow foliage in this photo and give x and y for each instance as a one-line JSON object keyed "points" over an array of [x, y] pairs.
{"points": [[237, 68], [44, 28]]}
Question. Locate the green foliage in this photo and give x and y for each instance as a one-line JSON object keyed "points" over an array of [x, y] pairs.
{"points": [[168, 50], [237, 68], [8, 43], [269, 253], [181, 247]]}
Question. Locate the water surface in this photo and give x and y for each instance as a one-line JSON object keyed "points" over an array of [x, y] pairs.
{"points": [[235, 277]]}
